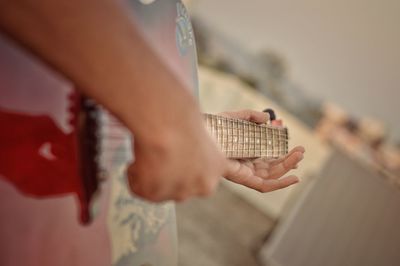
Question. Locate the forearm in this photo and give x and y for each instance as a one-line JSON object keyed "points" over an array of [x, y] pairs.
{"points": [[96, 45]]}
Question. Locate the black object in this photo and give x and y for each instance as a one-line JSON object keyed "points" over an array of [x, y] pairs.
{"points": [[271, 113]]}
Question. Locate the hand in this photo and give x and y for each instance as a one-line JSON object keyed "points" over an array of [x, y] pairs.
{"points": [[176, 163], [263, 174]]}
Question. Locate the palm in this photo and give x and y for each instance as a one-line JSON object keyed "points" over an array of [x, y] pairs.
{"points": [[263, 174]]}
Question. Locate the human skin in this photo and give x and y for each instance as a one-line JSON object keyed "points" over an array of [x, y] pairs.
{"points": [[66, 35], [262, 174]]}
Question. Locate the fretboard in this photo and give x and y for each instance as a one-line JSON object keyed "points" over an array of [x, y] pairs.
{"points": [[242, 139]]}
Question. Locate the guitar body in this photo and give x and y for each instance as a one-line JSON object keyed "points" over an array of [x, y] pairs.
{"points": [[39, 147], [63, 193]]}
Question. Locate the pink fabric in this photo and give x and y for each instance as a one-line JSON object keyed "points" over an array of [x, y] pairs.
{"points": [[37, 232]]}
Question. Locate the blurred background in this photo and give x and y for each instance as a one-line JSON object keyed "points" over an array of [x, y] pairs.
{"points": [[331, 71]]}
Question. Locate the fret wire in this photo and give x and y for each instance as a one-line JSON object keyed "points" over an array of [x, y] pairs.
{"points": [[254, 144], [250, 141], [226, 135], [273, 142], [221, 123], [226, 138], [233, 138], [256, 139], [241, 138], [268, 142], [237, 138], [243, 129], [240, 149], [229, 137], [232, 124], [220, 133], [287, 142], [259, 140], [246, 145], [278, 143]]}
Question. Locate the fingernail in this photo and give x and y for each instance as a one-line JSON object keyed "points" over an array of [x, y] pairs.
{"points": [[277, 122]]}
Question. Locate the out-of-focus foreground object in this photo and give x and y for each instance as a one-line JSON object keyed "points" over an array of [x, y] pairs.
{"points": [[348, 216]]}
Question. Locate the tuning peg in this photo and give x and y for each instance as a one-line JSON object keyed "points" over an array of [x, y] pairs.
{"points": [[271, 113]]}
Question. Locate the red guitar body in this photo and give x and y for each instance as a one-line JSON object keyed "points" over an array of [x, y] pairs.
{"points": [[48, 172], [37, 156]]}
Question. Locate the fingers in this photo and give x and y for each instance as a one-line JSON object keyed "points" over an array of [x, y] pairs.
{"points": [[266, 185], [267, 162], [279, 160], [249, 115], [275, 184], [262, 166], [289, 163], [299, 149], [263, 177], [151, 191], [144, 185]]}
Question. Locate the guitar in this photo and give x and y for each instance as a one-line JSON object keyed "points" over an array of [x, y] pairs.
{"points": [[91, 147], [63, 193]]}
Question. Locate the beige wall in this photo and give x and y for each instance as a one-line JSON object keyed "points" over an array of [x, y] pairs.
{"points": [[346, 50]]}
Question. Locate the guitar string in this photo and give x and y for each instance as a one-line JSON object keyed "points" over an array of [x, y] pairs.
{"points": [[249, 131]]}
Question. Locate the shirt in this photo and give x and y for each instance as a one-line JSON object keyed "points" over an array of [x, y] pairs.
{"points": [[42, 226]]}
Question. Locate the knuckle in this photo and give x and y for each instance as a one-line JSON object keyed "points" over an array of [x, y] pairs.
{"points": [[145, 188], [261, 190], [208, 188], [181, 197], [264, 189]]}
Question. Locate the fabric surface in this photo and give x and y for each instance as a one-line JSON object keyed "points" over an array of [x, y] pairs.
{"points": [[45, 229]]}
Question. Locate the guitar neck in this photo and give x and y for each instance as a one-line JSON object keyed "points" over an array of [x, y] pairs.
{"points": [[243, 139]]}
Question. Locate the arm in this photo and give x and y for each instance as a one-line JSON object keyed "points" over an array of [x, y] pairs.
{"points": [[96, 45]]}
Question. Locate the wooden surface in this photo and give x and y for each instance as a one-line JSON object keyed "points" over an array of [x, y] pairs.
{"points": [[221, 230]]}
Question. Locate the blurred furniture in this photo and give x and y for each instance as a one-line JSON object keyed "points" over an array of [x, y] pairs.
{"points": [[350, 215]]}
